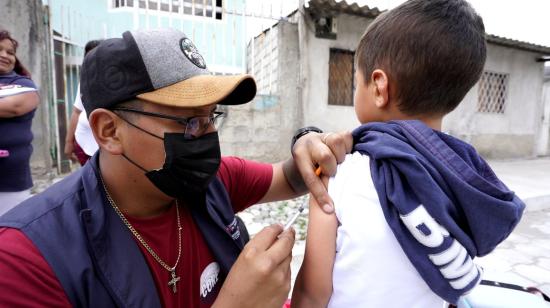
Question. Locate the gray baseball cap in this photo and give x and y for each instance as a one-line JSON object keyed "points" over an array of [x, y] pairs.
{"points": [[160, 66]]}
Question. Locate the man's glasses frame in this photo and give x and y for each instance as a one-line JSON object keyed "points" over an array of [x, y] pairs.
{"points": [[194, 127]]}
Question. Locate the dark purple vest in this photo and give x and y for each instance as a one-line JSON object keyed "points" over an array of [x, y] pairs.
{"points": [[94, 255]]}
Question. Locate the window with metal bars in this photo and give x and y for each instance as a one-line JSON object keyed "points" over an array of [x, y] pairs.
{"points": [[206, 8], [492, 92], [123, 3], [203, 8], [341, 83]]}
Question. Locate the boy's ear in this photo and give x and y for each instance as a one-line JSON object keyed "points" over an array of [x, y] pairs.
{"points": [[381, 88], [106, 127]]}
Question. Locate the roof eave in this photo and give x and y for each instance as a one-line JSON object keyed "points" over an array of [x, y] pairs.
{"points": [[506, 42], [333, 7]]}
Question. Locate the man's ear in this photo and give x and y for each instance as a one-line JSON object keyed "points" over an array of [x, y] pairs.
{"points": [[106, 127], [381, 88]]}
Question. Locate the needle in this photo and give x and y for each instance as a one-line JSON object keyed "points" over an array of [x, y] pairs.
{"points": [[295, 216]]}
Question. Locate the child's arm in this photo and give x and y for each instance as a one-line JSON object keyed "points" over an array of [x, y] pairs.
{"points": [[313, 286]]}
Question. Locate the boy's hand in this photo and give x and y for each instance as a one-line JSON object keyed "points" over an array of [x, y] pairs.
{"points": [[261, 275], [326, 151]]}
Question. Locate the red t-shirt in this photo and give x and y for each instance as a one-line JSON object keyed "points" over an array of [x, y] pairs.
{"points": [[26, 279]]}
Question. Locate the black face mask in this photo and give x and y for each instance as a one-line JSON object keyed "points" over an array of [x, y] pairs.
{"points": [[189, 166]]}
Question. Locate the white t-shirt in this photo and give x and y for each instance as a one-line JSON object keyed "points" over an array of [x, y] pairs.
{"points": [[83, 133], [370, 268]]}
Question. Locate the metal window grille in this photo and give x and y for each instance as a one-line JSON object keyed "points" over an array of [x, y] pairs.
{"points": [[165, 5], [153, 5], [122, 3], [492, 92], [340, 80], [175, 6], [206, 8], [203, 8]]}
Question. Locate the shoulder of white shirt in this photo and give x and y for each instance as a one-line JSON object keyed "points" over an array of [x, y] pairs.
{"points": [[10, 90]]}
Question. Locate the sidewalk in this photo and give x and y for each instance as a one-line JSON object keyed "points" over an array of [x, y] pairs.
{"points": [[523, 258], [528, 178]]}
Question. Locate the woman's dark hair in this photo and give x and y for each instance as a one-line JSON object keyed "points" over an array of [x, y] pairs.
{"points": [[433, 52], [19, 68]]}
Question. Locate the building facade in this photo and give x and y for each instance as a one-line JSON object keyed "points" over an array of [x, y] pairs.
{"points": [[503, 115], [216, 27], [543, 146]]}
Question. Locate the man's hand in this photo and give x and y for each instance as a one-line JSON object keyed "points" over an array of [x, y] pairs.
{"points": [[326, 151], [261, 275]]}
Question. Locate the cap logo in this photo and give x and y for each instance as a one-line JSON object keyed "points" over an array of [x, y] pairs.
{"points": [[114, 78], [191, 52]]}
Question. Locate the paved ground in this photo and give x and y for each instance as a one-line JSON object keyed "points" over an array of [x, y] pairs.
{"points": [[524, 257], [529, 178]]}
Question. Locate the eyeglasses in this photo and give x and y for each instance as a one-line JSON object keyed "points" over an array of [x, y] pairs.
{"points": [[194, 126]]}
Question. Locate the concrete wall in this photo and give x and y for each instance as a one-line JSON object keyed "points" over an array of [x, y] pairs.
{"points": [[262, 130], [317, 111], [543, 148], [302, 98], [513, 133], [26, 21]]}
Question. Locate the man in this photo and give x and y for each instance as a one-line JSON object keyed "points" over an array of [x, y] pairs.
{"points": [[149, 221]]}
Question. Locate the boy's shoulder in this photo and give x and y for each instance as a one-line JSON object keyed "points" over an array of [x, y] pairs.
{"points": [[355, 161], [355, 167], [465, 151]]}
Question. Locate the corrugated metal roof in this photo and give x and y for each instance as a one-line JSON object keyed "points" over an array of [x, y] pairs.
{"points": [[332, 6], [499, 40]]}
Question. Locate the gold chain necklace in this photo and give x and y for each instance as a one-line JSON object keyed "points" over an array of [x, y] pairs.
{"points": [[172, 282]]}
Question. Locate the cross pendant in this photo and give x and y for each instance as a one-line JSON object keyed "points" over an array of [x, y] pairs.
{"points": [[173, 281]]}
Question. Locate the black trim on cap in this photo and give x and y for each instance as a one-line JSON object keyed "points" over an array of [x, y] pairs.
{"points": [[112, 73], [242, 94]]}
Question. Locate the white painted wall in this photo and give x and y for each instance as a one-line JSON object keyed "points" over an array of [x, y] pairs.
{"points": [[317, 111], [543, 145], [513, 133], [301, 98], [263, 129]]}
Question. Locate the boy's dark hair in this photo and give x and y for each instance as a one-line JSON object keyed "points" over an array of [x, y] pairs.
{"points": [[433, 52], [91, 45]]}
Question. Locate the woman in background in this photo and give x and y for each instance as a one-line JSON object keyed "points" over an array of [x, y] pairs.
{"points": [[16, 113]]}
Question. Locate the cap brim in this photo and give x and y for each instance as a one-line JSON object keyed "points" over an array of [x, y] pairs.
{"points": [[205, 90]]}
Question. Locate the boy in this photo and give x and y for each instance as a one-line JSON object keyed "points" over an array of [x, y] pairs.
{"points": [[413, 205]]}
